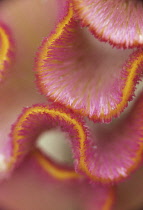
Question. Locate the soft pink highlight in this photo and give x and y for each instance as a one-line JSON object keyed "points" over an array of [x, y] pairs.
{"points": [[118, 22]]}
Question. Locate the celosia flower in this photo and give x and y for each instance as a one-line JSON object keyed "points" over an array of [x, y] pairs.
{"points": [[104, 78], [16, 92], [25, 131], [72, 71], [80, 80]]}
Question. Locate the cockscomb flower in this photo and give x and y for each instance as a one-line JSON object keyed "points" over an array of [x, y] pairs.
{"points": [[97, 82], [81, 78], [104, 78], [95, 157], [33, 121], [16, 165]]}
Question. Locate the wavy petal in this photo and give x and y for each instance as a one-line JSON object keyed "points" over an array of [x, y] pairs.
{"points": [[115, 151], [37, 119], [90, 196], [85, 75], [117, 22], [105, 155]]}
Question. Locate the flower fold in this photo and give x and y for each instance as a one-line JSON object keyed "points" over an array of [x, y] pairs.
{"points": [[39, 118], [105, 155], [76, 70], [113, 151], [86, 83]]}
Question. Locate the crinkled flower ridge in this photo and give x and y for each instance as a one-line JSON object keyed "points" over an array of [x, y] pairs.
{"points": [[70, 70], [37, 119], [101, 155], [30, 124], [81, 79]]}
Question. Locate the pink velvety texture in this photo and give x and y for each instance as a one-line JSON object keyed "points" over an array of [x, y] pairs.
{"points": [[39, 121], [109, 155], [117, 22], [116, 150], [84, 74]]}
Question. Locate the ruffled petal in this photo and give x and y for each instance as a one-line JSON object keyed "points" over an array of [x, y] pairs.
{"points": [[115, 151], [118, 22], [89, 197], [37, 119], [7, 49], [85, 75], [103, 155]]}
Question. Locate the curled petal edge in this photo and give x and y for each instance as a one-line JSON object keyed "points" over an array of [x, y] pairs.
{"points": [[113, 155], [48, 63], [39, 118]]}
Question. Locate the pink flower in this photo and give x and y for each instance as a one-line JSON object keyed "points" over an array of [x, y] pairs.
{"points": [[97, 83], [18, 91], [86, 83]]}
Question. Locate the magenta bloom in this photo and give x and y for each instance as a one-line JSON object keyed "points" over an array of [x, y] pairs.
{"points": [[97, 83], [86, 83], [71, 55]]}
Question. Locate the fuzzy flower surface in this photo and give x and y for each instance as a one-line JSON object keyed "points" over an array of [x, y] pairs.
{"points": [[86, 70]]}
